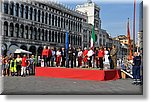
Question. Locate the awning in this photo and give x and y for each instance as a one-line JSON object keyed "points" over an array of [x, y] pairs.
{"points": [[22, 51]]}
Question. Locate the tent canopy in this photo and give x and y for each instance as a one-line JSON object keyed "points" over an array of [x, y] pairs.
{"points": [[22, 51]]}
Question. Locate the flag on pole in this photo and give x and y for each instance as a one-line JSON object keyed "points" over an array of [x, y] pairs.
{"points": [[67, 46], [67, 42], [129, 41], [92, 38]]}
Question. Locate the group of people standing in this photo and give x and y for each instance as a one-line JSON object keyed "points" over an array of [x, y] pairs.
{"points": [[76, 57], [18, 66]]}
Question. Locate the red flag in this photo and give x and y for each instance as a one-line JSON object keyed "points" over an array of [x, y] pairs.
{"points": [[129, 41]]}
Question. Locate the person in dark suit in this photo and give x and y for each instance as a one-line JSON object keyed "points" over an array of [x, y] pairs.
{"points": [[63, 54], [96, 57], [113, 54], [74, 56]]}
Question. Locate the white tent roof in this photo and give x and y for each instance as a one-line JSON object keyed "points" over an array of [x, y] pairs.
{"points": [[22, 51]]}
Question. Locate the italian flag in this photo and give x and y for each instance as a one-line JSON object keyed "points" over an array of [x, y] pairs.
{"points": [[92, 38]]}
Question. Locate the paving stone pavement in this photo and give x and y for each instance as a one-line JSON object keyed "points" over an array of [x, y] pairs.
{"points": [[44, 86]]}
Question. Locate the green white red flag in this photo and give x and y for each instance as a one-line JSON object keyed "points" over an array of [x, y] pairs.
{"points": [[92, 38]]}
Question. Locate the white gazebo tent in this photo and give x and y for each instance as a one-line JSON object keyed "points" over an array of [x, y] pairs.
{"points": [[22, 51]]}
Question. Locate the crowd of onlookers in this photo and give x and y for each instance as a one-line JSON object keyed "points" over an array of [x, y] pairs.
{"points": [[99, 57], [24, 64], [17, 65]]}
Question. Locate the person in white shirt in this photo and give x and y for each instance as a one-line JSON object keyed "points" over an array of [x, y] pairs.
{"points": [[58, 57], [90, 54], [106, 56], [79, 57]]}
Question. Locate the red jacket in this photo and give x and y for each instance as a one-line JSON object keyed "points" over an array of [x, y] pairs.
{"points": [[101, 53], [24, 62], [49, 52], [85, 52], [45, 52]]}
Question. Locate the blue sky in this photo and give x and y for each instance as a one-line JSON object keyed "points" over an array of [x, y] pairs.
{"points": [[114, 14]]}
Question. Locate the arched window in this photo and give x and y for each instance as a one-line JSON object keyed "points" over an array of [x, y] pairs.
{"points": [[42, 35], [26, 12], [35, 11], [35, 34], [6, 7], [64, 40], [39, 14], [42, 17], [31, 11], [30, 33], [21, 10], [39, 34], [49, 36], [58, 21], [45, 35], [74, 39], [52, 36], [55, 36], [21, 35], [46, 15], [17, 30], [59, 37], [17, 10], [26, 32], [52, 20], [71, 25], [11, 29], [61, 22], [5, 28], [49, 19], [11, 8]]}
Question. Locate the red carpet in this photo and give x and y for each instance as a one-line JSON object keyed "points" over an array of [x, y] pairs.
{"points": [[75, 73]]}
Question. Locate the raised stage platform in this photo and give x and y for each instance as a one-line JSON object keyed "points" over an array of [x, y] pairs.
{"points": [[78, 73]]}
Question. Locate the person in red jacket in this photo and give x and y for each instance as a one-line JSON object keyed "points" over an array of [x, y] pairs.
{"points": [[101, 57], [85, 52], [45, 55], [24, 66]]}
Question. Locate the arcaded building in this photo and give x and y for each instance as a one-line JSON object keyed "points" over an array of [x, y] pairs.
{"points": [[30, 25]]}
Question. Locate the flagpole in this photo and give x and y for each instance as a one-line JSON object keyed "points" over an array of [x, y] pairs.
{"points": [[129, 41], [67, 45]]}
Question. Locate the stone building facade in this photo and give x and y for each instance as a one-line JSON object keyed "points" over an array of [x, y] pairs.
{"points": [[30, 25]]}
